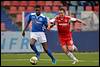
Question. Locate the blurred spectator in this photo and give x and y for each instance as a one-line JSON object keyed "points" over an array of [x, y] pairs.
{"points": [[81, 3], [88, 3], [96, 3], [66, 3]]}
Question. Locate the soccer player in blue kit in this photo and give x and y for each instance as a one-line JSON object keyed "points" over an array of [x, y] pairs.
{"points": [[37, 33]]}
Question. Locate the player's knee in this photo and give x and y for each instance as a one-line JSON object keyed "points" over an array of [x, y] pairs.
{"points": [[45, 46], [64, 48], [45, 49], [70, 48], [32, 41]]}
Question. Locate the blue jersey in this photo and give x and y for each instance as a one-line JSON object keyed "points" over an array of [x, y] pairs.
{"points": [[38, 22]]}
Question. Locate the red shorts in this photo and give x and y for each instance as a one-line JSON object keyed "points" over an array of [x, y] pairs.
{"points": [[66, 40]]}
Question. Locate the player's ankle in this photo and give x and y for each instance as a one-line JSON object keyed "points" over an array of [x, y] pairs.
{"points": [[53, 61]]}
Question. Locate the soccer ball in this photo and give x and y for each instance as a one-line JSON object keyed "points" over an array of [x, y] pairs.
{"points": [[33, 60]]}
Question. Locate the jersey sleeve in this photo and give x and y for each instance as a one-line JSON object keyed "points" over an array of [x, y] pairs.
{"points": [[52, 20], [72, 20]]}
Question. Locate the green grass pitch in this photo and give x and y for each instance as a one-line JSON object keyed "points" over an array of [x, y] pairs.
{"points": [[85, 59]]}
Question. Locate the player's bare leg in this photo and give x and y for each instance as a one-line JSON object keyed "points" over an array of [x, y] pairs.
{"points": [[45, 46]]}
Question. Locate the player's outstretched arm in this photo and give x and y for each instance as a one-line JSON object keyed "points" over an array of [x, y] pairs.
{"points": [[81, 22], [76, 24], [50, 25], [78, 20]]}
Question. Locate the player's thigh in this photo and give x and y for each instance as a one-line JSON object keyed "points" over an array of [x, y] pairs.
{"points": [[32, 41], [64, 48], [70, 45], [33, 38], [42, 37], [45, 45], [62, 41]]}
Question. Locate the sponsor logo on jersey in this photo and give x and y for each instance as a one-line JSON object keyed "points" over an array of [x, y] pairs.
{"points": [[63, 24]]}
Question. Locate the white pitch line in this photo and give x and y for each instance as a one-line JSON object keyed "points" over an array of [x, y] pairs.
{"points": [[47, 60], [79, 53]]}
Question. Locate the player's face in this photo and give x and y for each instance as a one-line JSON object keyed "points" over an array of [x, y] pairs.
{"points": [[61, 13], [38, 11]]}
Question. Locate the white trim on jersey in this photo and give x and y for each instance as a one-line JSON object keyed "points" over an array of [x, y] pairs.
{"points": [[73, 19], [39, 15]]}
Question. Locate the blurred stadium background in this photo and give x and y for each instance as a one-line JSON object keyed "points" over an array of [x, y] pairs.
{"points": [[11, 25]]}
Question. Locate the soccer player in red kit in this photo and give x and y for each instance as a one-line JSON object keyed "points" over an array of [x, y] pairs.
{"points": [[63, 23]]}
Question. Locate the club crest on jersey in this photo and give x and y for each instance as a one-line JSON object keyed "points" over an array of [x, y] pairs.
{"points": [[40, 19]]}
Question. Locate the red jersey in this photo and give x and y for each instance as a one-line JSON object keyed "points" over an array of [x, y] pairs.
{"points": [[63, 25]]}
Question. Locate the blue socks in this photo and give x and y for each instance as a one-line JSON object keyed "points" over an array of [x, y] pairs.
{"points": [[50, 54], [35, 50]]}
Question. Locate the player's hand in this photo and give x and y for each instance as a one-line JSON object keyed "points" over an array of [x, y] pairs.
{"points": [[48, 28], [50, 25], [23, 33]]}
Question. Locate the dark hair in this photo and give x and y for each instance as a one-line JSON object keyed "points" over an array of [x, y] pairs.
{"points": [[37, 6], [62, 9]]}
